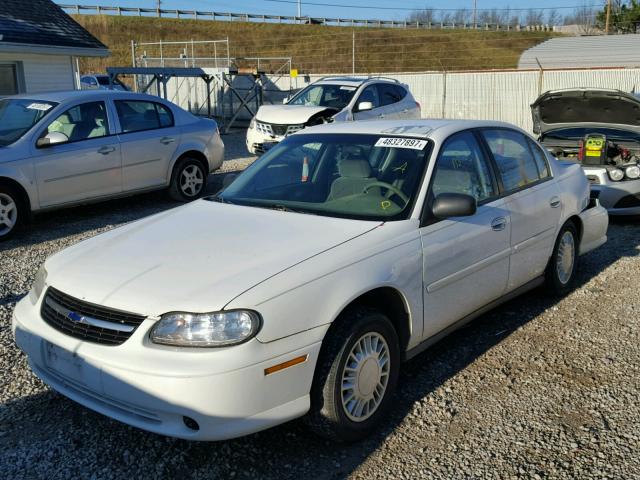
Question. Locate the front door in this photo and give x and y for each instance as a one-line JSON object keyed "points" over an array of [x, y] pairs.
{"points": [[369, 94], [149, 140], [87, 166], [466, 259]]}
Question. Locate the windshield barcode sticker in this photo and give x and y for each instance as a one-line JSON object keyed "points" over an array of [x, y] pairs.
{"points": [[396, 142], [39, 106]]}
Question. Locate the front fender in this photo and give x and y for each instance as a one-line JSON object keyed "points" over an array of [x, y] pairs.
{"points": [[22, 173], [314, 292]]}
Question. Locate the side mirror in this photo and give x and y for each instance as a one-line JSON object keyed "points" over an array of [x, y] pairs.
{"points": [[228, 179], [52, 138], [448, 205], [364, 106]]}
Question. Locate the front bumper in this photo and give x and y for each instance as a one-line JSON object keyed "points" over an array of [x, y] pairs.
{"points": [[225, 391], [619, 198], [258, 142]]}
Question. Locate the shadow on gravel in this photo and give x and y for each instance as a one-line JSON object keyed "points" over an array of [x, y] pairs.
{"points": [[288, 451], [59, 224]]}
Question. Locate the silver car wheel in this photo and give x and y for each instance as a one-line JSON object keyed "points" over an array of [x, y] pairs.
{"points": [[365, 377], [8, 214], [565, 258], [191, 181]]}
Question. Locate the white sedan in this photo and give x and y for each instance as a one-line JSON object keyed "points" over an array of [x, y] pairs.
{"points": [[299, 290]]}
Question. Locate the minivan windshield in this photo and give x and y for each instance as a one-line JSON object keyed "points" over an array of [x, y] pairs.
{"points": [[364, 177], [18, 116], [330, 96]]}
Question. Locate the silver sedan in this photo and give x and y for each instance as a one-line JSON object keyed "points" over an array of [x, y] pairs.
{"points": [[67, 148]]}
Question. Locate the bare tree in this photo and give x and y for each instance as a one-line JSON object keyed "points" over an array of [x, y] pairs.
{"points": [[425, 15], [534, 17], [461, 16], [554, 18], [585, 17]]}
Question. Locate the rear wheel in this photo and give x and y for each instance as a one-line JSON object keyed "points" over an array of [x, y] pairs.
{"points": [[561, 271], [11, 211], [188, 181], [356, 376]]}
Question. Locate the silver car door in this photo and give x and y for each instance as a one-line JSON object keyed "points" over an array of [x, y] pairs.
{"points": [[533, 199], [149, 139], [465, 259], [87, 166]]}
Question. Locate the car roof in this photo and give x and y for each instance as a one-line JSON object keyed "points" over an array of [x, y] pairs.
{"points": [[429, 128], [69, 95], [353, 81]]}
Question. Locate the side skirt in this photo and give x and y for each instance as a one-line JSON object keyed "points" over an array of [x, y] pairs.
{"points": [[418, 349]]}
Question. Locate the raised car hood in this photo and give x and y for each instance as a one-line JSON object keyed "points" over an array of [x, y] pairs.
{"points": [[585, 107], [287, 114], [195, 258]]}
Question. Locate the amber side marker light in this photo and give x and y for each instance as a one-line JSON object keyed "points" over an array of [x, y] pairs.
{"points": [[287, 364]]}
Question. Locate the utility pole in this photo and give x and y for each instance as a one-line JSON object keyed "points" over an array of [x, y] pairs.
{"points": [[474, 14], [606, 25], [353, 52], [299, 9], [158, 3]]}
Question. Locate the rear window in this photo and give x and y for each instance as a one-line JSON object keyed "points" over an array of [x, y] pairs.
{"points": [[390, 93], [139, 115]]}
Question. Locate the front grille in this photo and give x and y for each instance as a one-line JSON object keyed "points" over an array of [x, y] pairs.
{"points": [[628, 201], [87, 321], [276, 130], [279, 130]]}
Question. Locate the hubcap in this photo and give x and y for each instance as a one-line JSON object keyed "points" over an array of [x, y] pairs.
{"points": [[365, 377], [8, 214], [191, 181], [565, 258]]}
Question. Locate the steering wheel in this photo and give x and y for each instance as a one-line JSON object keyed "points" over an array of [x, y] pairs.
{"points": [[390, 187]]}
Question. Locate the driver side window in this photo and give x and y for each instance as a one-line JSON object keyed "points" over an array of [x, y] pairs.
{"points": [[84, 121], [369, 94], [463, 168]]}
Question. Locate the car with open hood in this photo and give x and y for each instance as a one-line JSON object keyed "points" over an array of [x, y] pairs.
{"points": [[299, 289], [600, 130], [331, 99]]}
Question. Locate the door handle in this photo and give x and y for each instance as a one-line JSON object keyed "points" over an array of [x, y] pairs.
{"points": [[167, 140], [106, 150], [381, 115], [554, 202], [498, 224]]}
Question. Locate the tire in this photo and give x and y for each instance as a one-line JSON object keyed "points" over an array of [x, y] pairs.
{"points": [[561, 270], [188, 180], [12, 211], [348, 421]]}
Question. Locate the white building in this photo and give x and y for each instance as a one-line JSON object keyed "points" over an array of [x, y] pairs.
{"points": [[39, 46]]}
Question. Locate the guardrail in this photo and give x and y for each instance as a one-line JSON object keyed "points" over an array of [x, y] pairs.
{"points": [[252, 17]]}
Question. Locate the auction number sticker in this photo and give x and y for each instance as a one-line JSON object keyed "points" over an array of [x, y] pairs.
{"points": [[395, 142], [43, 107]]}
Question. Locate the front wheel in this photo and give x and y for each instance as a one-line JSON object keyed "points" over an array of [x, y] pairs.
{"points": [[561, 270], [188, 181], [11, 212], [356, 376]]}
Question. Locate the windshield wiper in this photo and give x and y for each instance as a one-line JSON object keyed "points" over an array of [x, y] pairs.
{"points": [[218, 198]]}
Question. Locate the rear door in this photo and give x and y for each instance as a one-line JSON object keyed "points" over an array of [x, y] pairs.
{"points": [[390, 96], [532, 198], [149, 139], [87, 166], [465, 259]]}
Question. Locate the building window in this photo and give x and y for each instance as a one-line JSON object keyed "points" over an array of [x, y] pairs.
{"points": [[8, 79]]}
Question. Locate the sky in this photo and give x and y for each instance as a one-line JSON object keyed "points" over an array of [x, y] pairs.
{"points": [[277, 8]]}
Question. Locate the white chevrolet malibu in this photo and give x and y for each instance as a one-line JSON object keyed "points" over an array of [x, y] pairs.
{"points": [[299, 290]]}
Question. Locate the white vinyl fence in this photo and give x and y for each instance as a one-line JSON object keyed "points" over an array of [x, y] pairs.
{"points": [[489, 95]]}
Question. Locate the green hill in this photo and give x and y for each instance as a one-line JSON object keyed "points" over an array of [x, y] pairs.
{"points": [[317, 48]]}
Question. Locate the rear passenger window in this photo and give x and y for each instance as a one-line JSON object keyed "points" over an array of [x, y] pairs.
{"points": [[462, 168], [136, 115], [512, 153], [540, 158], [388, 94]]}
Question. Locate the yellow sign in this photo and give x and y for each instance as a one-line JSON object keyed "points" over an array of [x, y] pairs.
{"points": [[294, 72]]}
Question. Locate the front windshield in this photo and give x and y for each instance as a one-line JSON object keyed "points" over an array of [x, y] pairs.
{"points": [[330, 96], [365, 177], [580, 132], [18, 116]]}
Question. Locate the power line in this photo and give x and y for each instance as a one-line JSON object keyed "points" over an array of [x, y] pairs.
{"points": [[371, 7]]}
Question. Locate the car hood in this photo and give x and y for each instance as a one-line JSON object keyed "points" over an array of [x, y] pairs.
{"points": [[287, 114], [585, 107], [195, 258]]}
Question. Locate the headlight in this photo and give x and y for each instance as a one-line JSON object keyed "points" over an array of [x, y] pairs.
{"points": [[217, 329], [252, 123], [616, 174], [632, 172], [38, 285]]}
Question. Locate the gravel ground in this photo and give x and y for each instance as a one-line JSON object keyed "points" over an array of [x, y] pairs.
{"points": [[537, 388]]}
